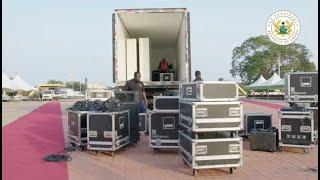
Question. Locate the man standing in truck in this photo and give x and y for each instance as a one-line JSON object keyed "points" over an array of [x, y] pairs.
{"points": [[198, 76], [163, 66], [136, 85]]}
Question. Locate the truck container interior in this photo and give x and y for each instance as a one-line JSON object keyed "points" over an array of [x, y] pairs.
{"points": [[165, 36]]}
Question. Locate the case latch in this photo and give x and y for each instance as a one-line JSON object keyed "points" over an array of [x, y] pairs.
{"points": [[201, 112], [201, 149], [92, 133], [234, 148], [234, 111], [189, 91], [107, 134], [305, 129], [286, 128]]}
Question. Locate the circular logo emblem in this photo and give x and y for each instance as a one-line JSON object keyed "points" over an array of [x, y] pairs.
{"points": [[283, 27]]}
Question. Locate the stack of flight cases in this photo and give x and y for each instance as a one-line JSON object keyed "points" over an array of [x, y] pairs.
{"points": [[108, 131], [301, 89], [210, 118], [164, 123]]}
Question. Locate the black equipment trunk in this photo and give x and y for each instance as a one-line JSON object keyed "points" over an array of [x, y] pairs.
{"points": [[301, 87], [296, 128], [210, 149], [163, 129], [108, 131], [264, 139]]}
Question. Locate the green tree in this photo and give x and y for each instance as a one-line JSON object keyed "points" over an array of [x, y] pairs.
{"points": [[75, 85], [54, 82], [258, 55]]}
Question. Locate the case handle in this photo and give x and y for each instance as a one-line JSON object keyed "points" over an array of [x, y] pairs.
{"points": [[107, 134], [168, 122], [286, 128], [121, 122], [189, 91], [234, 148], [201, 112], [305, 129], [92, 133], [258, 124], [201, 149], [234, 111]]}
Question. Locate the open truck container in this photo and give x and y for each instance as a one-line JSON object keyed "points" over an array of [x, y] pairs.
{"points": [[142, 37]]}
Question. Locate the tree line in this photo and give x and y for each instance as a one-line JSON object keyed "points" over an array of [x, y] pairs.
{"points": [[258, 56]]}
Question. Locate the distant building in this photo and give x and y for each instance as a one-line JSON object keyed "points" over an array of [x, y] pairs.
{"points": [[97, 91]]}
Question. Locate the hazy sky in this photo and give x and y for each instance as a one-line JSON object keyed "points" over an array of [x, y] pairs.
{"points": [[49, 39]]}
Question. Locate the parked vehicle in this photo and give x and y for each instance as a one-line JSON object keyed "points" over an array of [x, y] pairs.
{"points": [[5, 97], [66, 93], [78, 94], [50, 95], [20, 97]]}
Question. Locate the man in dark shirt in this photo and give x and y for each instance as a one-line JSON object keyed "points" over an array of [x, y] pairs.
{"points": [[136, 85], [198, 76]]}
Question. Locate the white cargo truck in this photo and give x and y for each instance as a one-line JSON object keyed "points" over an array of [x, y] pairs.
{"points": [[142, 38]]}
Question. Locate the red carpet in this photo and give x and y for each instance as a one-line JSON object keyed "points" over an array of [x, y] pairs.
{"points": [[28, 139], [265, 104]]}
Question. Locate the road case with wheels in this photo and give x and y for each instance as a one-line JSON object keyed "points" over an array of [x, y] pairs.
{"points": [[163, 129], [108, 131], [77, 128], [210, 150], [264, 140], [296, 129], [301, 87], [211, 116], [209, 91]]}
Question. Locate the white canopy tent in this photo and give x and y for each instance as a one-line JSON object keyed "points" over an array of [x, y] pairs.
{"points": [[257, 82], [20, 85], [6, 82], [274, 82]]}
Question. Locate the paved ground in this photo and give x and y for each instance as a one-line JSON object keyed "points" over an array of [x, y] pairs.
{"points": [[139, 162], [13, 110]]}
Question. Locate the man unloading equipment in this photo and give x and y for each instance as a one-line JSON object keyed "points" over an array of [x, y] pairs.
{"points": [[163, 66], [198, 76], [136, 85]]}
